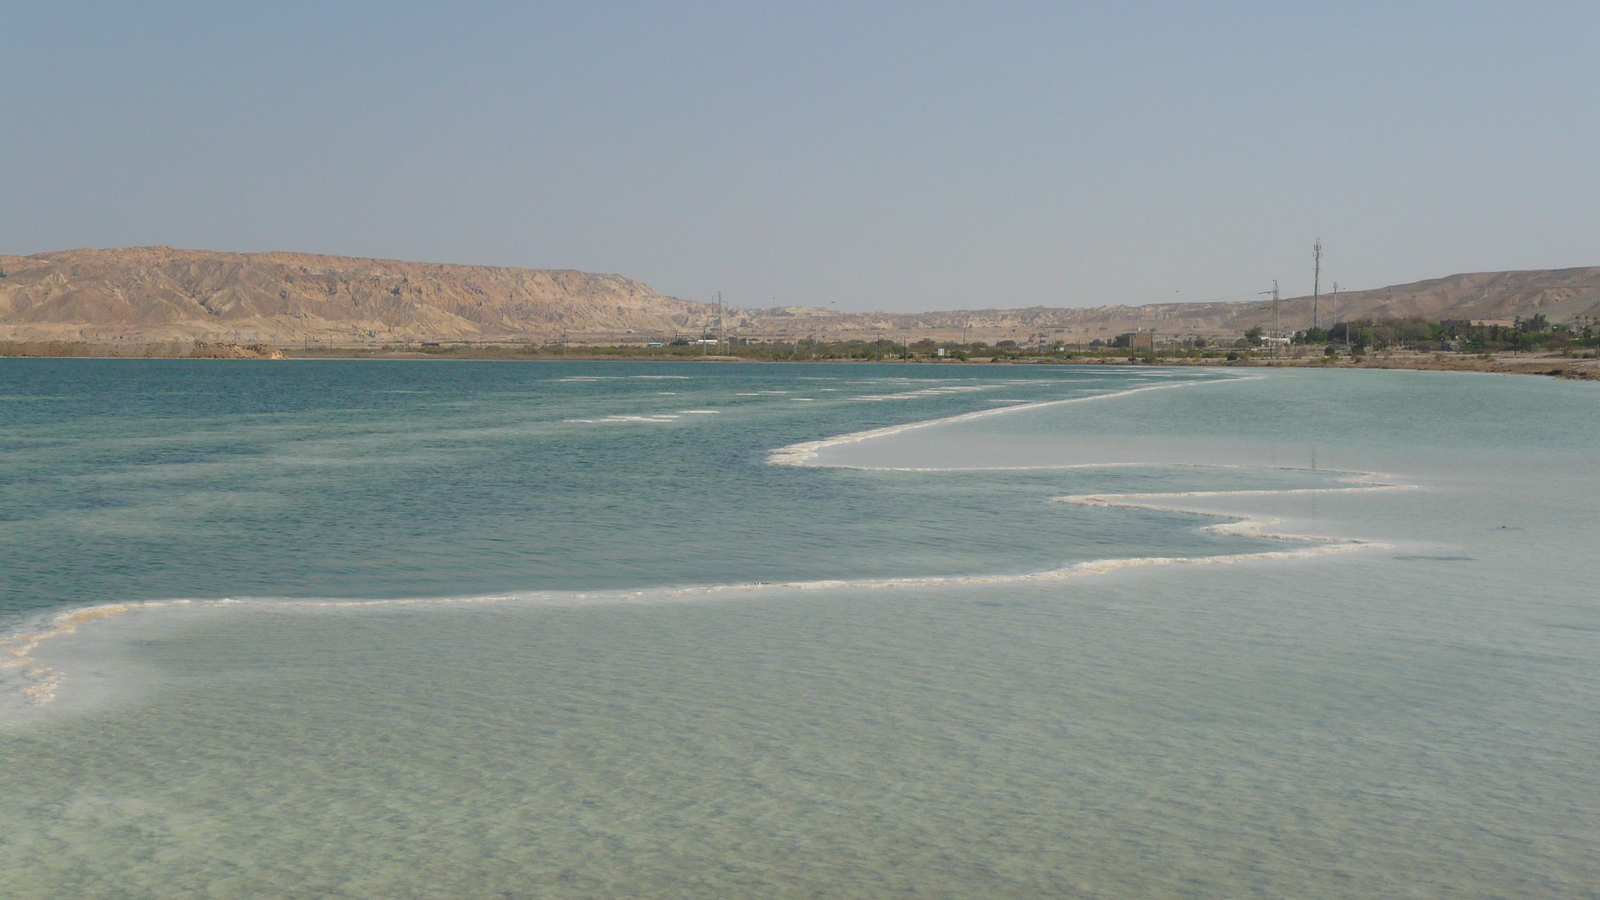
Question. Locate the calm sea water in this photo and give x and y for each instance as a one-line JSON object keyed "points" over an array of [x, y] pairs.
{"points": [[566, 630], [152, 480]]}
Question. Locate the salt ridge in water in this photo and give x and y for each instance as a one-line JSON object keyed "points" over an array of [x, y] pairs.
{"points": [[40, 683], [1348, 726]]}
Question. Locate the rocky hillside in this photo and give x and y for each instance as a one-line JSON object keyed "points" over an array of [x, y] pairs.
{"points": [[1562, 295], [150, 294], [155, 294]]}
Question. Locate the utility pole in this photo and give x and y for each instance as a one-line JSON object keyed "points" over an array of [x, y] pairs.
{"points": [[1335, 306], [1276, 321], [722, 333], [1316, 280]]}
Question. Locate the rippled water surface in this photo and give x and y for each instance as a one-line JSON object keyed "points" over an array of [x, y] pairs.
{"points": [[566, 630]]}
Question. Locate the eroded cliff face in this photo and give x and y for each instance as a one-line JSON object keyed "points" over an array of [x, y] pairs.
{"points": [[166, 294]]}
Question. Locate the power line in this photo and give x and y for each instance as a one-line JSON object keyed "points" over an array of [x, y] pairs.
{"points": [[1316, 280], [1277, 324]]}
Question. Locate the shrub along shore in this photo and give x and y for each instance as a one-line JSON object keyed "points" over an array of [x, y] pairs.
{"points": [[1571, 361]]}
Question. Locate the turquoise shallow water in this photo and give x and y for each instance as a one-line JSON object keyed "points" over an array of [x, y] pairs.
{"points": [[152, 480], [1418, 716]]}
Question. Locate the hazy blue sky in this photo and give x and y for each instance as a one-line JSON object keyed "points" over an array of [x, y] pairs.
{"points": [[873, 155]]}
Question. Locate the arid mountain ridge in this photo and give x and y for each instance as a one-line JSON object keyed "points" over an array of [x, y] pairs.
{"points": [[165, 294], [148, 294]]}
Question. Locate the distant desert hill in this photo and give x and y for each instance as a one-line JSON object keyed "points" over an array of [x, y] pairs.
{"points": [[1562, 295], [163, 294]]}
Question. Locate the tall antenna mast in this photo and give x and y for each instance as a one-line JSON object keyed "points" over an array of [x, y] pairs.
{"points": [[1316, 280], [722, 333]]}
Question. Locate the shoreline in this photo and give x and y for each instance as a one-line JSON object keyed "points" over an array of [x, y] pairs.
{"points": [[1555, 365]]}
